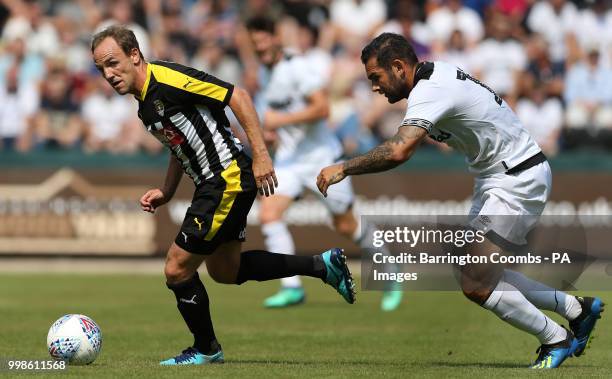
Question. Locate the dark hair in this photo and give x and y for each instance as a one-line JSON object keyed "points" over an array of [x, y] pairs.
{"points": [[124, 37], [387, 47], [312, 30], [261, 24]]}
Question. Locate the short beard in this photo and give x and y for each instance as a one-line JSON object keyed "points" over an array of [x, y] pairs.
{"points": [[398, 90], [392, 99], [397, 93]]}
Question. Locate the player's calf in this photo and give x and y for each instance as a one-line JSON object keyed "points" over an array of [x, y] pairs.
{"points": [[478, 281]]}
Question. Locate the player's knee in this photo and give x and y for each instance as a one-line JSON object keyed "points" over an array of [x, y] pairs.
{"points": [[345, 226], [268, 215], [176, 273], [477, 294]]}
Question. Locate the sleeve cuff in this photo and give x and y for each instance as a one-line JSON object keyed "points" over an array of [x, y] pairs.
{"points": [[419, 122], [228, 95]]}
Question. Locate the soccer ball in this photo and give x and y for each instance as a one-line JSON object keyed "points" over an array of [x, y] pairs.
{"points": [[75, 339]]}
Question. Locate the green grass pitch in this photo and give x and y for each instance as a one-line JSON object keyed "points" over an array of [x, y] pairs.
{"points": [[433, 335]]}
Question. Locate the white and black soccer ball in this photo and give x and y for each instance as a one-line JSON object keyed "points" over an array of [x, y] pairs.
{"points": [[75, 339]]}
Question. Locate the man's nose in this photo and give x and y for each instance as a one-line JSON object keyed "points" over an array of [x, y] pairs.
{"points": [[108, 73]]}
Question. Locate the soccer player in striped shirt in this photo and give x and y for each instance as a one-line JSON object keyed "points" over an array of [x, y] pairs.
{"points": [[184, 109]]}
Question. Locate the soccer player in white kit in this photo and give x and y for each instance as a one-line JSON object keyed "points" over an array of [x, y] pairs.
{"points": [[513, 178], [296, 106]]}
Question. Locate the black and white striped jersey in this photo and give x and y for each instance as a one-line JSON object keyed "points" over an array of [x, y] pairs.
{"points": [[184, 109]]}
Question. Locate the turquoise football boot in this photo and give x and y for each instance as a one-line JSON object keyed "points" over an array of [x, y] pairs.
{"points": [[338, 274], [583, 325], [286, 297], [392, 297], [552, 356], [191, 356]]}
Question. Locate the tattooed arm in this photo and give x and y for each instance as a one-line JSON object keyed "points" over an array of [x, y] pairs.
{"points": [[385, 156]]}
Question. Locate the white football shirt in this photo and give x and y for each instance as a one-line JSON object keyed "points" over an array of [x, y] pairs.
{"points": [[468, 116], [285, 88]]}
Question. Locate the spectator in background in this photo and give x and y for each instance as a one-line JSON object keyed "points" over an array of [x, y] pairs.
{"points": [[110, 124], [312, 14], [479, 6], [72, 46], [451, 16], [213, 59], [357, 18], [18, 102], [120, 12], [457, 52], [163, 49], [405, 21], [595, 26], [30, 66], [210, 35], [222, 23], [28, 22], [541, 70], [588, 93], [542, 116], [178, 36], [515, 9], [43, 38], [57, 123], [261, 8], [499, 58], [554, 19], [319, 58]]}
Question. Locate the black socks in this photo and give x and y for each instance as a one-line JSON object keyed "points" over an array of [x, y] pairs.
{"points": [[262, 265], [192, 302], [192, 299]]}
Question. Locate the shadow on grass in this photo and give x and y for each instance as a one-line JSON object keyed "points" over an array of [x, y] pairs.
{"points": [[480, 365], [312, 363], [379, 363]]}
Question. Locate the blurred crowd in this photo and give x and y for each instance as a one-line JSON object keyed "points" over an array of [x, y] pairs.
{"points": [[551, 60]]}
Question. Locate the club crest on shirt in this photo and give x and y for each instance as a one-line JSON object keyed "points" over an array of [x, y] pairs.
{"points": [[159, 107]]}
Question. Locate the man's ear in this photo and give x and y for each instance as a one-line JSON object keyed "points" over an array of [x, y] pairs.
{"points": [[135, 56], [398, 67]]}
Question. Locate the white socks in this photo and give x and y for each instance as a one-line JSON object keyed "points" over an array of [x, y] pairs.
{"points": [[278, 239], [509, 304], [543, 296]]}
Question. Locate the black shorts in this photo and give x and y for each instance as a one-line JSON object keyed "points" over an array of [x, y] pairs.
{"points": [[219, 209]]}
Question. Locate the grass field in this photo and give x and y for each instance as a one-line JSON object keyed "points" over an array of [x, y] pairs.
{"points": [[433, 335]]}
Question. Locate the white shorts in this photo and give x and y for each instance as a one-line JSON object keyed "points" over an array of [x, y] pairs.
{"points": [[511, 205], [293, 177]]}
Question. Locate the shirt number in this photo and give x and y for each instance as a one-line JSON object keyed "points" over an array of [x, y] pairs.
{"points": [[463, 76]]}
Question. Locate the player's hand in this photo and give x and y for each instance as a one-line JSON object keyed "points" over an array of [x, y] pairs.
{"points": [[152, 199], [328, 176], [264, 173], [273, 120]]}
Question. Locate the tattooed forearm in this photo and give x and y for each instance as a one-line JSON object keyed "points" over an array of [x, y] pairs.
{"points": [[384, 156], [378, 159]]}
